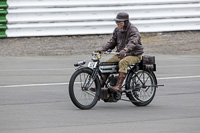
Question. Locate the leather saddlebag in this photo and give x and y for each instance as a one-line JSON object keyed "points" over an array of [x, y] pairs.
{"points": [[148, 63]]}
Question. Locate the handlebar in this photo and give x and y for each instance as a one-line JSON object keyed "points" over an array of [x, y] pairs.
{"points": [[96, 55], [105, 52]]}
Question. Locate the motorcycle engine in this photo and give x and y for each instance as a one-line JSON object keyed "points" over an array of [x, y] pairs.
{"points": [[106, 94], [112, 80]]}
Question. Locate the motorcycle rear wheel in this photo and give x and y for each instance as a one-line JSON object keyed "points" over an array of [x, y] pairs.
{"points": [[143, 87]]}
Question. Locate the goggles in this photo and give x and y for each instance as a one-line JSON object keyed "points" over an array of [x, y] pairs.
{"points": [[119, 22]]}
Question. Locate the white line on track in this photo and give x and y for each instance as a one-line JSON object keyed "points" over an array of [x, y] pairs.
{"points": [[182, 77], [54, 84], [18, 70], [32, 85], [190, 65]]}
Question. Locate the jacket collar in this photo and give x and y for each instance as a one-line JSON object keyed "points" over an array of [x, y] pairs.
{"points": [[127, 26]]}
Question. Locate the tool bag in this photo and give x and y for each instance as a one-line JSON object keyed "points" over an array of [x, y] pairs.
{"points": [[148, 63]]}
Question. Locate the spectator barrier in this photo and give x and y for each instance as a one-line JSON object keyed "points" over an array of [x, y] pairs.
{"points": [[20, 18]]}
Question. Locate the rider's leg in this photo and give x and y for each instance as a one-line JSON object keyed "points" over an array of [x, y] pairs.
{"points": [[114, 58], [123, 66], [127, 61], [120, 81]]}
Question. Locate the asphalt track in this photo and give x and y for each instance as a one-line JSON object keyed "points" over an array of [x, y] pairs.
{"points": [[34, 99]]}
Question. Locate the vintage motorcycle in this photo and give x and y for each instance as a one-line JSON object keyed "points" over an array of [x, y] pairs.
{"points": [[139, 85]]}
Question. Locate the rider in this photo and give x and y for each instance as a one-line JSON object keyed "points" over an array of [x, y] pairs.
{"points": [[127, 40]]}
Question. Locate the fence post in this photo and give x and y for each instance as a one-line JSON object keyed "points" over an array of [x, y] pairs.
{"points": [[3, 20]]}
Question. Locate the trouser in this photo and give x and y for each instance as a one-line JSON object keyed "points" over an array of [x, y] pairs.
{"points": [[125, 62]]}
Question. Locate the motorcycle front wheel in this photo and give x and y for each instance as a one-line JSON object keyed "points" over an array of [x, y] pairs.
{"points": [[84, 89]]}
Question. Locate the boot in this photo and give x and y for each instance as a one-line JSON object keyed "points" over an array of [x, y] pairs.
{"points": [[118, 87], [102, 81]]}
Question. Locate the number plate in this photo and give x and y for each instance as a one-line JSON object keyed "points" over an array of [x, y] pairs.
{"points": [[92, 64]]}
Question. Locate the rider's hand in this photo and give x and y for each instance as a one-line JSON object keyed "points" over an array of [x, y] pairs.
{"points": [[122, 54]]}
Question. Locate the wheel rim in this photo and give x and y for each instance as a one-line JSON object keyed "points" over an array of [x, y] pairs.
{"points": [[143, 86]]}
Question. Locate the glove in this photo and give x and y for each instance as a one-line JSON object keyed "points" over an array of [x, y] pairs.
{"points": [[122, 54]]}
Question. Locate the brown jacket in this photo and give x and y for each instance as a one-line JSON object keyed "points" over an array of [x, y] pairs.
{"points": [[129, 38]]}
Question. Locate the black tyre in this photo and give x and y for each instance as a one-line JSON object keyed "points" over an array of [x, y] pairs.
{"points": [[84, 91], [142, 87]]}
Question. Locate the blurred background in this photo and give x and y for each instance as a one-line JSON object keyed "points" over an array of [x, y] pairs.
{"points": [[46, 27]]}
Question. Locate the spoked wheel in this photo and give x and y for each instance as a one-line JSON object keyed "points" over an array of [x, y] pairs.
{"points": [[142, 86], [84, 91]]}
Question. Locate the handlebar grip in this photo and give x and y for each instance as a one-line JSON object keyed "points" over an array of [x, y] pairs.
{"points": [[79, 63]]}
